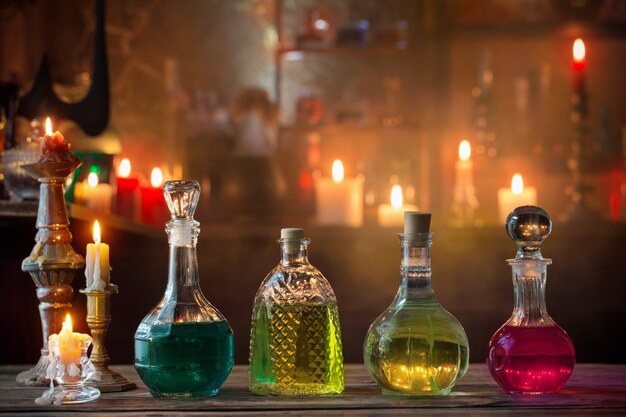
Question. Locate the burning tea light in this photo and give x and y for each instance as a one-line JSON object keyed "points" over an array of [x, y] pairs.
{"points": [[340, 199], [97, 267], [517, 195], [393, 214]]}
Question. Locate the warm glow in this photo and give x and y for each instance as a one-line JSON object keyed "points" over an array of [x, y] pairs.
{"points": [[156, 178], [96, 232], [48, 126], [123, 170], [92, 179], [517, 184], [396, 197], [578, 50], [337, 170], [67, 324], [465, 151]]}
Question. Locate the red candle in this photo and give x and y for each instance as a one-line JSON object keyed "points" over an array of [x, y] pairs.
{"points": [[127, 200], [579, 62], [153, 208]]}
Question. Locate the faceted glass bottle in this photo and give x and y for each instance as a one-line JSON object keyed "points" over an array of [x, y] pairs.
{"points": [[184, 346], [295, 341], [416, 347], [530, 353]]}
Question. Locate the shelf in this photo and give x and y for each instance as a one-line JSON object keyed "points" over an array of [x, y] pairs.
{"points": [[343, 128], [297, 54]]}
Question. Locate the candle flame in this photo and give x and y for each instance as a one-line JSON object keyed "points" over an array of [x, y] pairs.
{"points": [[92, 179], [123, 170], [465, 151], [96, 232], [48, 126], [578, 50], [396, 197], [337, 170], [156, 177], [517, 184], [67, 324]]}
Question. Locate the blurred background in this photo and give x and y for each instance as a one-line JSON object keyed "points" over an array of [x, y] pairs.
{"points": [[257, 99]]}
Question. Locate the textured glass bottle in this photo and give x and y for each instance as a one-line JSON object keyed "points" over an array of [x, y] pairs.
{"points": [[416, 346], [295, 341], [184, 346], [530, 353]]}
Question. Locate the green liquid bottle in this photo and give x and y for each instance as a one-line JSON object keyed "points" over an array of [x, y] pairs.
{"points": [[416, 347], [295, 342], [184, 346]]}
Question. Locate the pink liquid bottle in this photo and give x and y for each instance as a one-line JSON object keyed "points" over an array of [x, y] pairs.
{"points": [[530, 353]]}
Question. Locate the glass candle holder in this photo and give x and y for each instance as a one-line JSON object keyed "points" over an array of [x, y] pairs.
{"points": [[70, 368]]}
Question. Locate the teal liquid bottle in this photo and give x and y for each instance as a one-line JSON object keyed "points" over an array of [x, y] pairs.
{"points": [[416, 347], [184, 346]]}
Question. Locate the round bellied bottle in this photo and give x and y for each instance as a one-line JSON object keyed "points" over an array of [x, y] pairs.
{"points": [[184, 346], [416, 347], [530, 353], [295, 340]]}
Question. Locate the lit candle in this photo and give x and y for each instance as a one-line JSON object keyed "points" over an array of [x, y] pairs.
{"points": [[127, 196], [153, 208], [393, 214], [464, 179], [518, 195], [97, 196], [339, 200], [67, 346], [97, 267], [579, 62]]}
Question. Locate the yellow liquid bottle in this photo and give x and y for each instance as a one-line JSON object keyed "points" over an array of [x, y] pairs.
{"points": [[295, 341], [416, 347]]}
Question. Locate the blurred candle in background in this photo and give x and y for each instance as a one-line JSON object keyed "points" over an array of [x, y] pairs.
{"points": [[93, 194], [464, 178], [127, 197], [393, 214], [339, 201], [511, 198], [579, 62], [153, 208]]}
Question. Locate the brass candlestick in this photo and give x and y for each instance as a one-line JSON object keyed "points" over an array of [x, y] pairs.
{"points": [[52, 263], [98, 320]]}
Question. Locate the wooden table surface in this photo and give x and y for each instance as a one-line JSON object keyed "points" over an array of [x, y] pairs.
{"points": [[592, 390]]}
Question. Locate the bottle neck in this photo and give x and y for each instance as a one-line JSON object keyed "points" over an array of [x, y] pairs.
{"points": [[529, 289], [415, 272], [294, 252], [183, 280]]}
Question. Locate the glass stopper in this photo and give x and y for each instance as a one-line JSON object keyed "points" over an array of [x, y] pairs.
{"points": [[528, 227], [182, 198]]}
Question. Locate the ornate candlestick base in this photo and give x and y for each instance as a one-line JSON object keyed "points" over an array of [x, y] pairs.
{"points": [[52, 263], [98, 320]]}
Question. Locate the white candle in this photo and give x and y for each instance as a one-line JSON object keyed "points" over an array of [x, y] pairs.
{"points": [[339, 200], [518, 195], [393, 214], [464, 179], [97, 268], [67, 346], [94, 195]]}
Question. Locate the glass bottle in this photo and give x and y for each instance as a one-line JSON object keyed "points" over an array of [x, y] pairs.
{"points": [[416, 346], [295, 341], [530, 353], [184, 346]]}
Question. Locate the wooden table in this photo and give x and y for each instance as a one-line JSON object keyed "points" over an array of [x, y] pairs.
{"points": [[592, 390]]}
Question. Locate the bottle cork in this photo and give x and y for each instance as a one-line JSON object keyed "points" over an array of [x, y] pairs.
{"points": [[416, 222]]}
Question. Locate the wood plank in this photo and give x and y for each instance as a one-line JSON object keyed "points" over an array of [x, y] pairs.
{"points": [[596, 389]]}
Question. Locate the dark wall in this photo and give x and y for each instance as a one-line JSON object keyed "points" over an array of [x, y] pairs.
{"points": [[585, 291]]}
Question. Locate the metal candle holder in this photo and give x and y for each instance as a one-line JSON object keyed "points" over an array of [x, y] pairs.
{"points": [[52, 263], [98, 320]]}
